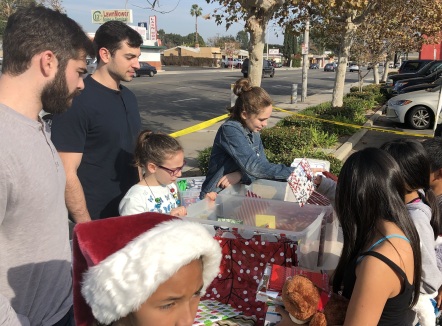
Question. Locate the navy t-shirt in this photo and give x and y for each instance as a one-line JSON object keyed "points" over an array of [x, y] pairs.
{"points": [[103, 124]]}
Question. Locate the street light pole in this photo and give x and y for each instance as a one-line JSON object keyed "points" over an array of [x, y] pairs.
{"points": [[305, 51]]}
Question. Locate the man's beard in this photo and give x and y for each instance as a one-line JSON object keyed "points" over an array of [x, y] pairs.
{"points": [[55, 96]]}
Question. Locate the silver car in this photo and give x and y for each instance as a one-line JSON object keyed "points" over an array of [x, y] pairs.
{"points": [[416, 109]]}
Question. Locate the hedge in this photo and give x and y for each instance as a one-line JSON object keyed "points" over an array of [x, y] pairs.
{"points": [[188, 61]]}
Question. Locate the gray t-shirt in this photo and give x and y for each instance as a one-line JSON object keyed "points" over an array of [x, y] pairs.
{"points": [[35, 257]]}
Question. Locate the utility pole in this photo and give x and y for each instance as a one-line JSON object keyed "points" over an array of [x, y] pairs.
{"points": [[267, 38], [305, 50]]}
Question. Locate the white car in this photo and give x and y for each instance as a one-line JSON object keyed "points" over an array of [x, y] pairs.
{"points": [[353, 67], [236, 63], [417, 109]]}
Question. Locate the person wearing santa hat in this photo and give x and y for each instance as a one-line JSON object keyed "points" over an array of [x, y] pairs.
{"points": [[148, 269]]}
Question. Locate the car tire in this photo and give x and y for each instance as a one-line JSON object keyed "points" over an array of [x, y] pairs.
{"points": [[272, 74], [419, 117], [151, 74], [245, 75]]}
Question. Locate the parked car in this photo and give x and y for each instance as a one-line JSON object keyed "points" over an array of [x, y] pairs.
{"points": [[420, 87], [353, 67], [412, 66], [417, 80], [330, 67], [314, 66], [267, 68], [276, 64], [91, 65], [231, 62], [427, 69], [146, 70], [416, 109]]}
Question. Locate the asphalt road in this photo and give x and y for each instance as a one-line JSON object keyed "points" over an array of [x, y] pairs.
{"points": [[181, 97]]}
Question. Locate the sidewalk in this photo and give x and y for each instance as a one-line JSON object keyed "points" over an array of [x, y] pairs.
{"points": [[197, 141]]}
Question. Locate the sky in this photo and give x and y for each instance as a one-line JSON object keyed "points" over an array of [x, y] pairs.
{"points": [[173, 16]]}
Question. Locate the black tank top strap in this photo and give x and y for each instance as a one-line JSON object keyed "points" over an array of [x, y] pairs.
{"points": [[387, 261]]}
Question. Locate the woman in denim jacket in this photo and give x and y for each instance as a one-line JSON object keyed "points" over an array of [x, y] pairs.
{"points": [[237, 153]]}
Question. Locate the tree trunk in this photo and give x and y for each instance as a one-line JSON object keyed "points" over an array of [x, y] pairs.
{"points": [[256, 28], [338, 90], [196, 31], [376, 73], [386, 69]]}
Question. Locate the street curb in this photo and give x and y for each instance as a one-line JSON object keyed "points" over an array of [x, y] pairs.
{"points": [[347, 147]]}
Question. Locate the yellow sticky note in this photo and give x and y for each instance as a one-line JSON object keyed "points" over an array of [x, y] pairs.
{"points": [[266, 221]]}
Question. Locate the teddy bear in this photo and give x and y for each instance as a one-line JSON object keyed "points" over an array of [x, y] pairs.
{"points": [[308, 304]]}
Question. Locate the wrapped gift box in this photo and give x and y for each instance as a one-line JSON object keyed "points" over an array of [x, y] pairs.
{"points": [[211, 311]]}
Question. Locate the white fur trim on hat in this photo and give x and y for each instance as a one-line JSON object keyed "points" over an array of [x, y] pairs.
{"points": [[119, 284]]}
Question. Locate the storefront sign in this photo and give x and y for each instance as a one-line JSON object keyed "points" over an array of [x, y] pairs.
{"points": [[153, 28], [102, 16]]}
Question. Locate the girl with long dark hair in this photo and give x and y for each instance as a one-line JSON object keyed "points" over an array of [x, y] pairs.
{"points": [[380, 266]]}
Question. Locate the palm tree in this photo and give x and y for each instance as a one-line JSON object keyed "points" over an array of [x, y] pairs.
{"points": [[196, 11]]}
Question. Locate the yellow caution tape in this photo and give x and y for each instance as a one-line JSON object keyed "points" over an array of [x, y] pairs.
{"points": [[208, 123], [353, 126], [199, 126]]}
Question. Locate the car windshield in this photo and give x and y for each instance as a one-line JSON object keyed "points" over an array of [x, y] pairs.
{"points": [[436, 67], [425, 67]]}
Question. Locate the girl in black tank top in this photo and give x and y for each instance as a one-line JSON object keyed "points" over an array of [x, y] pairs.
{"points": [[370, 205]]}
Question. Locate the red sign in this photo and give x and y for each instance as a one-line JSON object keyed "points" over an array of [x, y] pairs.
{"points": [[153, 28]]}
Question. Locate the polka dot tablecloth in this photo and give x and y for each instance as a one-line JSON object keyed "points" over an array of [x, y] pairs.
{"points": [[242, 267]]}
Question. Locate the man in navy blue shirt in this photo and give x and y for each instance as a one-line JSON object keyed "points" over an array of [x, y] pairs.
{"points": [[96, 137]]}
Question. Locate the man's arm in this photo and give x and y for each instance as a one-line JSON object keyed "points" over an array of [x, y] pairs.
{"points": [[74, 194]]}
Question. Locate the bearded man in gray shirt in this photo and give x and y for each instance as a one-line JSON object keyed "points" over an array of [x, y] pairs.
{"points": [[44, 59]]}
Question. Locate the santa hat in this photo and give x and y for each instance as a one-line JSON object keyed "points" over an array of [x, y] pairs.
{"points": [[119, 262]]}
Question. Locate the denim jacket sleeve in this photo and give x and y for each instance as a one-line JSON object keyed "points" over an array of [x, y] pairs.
{"points": [[240, 150]]}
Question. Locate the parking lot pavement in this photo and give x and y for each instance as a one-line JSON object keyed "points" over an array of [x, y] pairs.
{"points": [[376, 138]]}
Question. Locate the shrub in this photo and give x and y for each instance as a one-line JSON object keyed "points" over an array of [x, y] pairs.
{"points": [[287, 158], [280, 158], [203, 160], [188, 61], [284, 139]]}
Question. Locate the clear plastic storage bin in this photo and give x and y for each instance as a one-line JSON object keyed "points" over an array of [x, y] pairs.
{"points": [[192, 186], [268, 217], [266, 189]]}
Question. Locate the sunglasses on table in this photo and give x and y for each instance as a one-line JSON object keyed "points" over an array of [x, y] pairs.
{"points": [[172, 172]]}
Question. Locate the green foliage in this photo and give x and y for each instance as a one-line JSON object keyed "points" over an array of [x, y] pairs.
{"points": [[371, 93], [296, 62], [171, 40], [287, 159], [188, 61], [242, 37], [203, 160], [289, 45], [280, 158]]}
